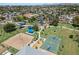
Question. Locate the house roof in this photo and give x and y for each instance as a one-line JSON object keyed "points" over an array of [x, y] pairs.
{"points": [[29, 15], [27, 50]]}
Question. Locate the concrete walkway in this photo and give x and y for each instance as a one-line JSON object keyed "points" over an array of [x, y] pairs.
{"points": [[69, 28], [39, 37], [6, 53]]}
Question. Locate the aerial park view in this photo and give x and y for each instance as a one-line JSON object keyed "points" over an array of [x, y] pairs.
{"points": [[39, 29]]}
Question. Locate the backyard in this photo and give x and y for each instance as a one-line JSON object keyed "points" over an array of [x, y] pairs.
{"points": [[67, 45]]}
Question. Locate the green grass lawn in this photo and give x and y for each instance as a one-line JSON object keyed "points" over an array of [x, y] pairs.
{"points": [[67, 25], [70, 46], [13, 50], [4, 36]]}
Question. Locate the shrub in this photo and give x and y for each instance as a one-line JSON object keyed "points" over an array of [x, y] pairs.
{"points": [[62, 46], [70, 36], [35, 27], [78, 44], [36, 47], [43, 30]]}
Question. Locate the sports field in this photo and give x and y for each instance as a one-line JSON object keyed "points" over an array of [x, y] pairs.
{"points": [[52, 44], [18, 41], [67, 45]]}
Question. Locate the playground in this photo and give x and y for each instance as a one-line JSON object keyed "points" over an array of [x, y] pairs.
{"points": [[38, 44]]}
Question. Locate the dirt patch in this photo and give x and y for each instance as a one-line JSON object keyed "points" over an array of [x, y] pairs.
{"points": [[2, 49], [18, 41]]}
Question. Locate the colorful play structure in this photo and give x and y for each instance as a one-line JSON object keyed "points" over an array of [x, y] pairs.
{"points": [[30, 29]]}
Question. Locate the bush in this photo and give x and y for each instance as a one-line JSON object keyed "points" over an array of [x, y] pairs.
{"points": [[62, 46], [9, 27], [36, 47], [54, 31], [43, 30], [70, 36], [35, 27], [78, 45]]}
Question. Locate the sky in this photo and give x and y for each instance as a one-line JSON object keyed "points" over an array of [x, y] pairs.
{"points": [[24, 3], [35, 2], [39, 1]]}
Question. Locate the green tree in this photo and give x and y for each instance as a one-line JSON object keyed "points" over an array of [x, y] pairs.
{"points": [[76, 21], [77, 38], [32, 20], [20, 18], [54, 20], [35, 36], [35, 27], [9, 27], [2, 18]]}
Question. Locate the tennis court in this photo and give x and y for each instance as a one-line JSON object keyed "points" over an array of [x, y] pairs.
{"points": [[51, 44]]}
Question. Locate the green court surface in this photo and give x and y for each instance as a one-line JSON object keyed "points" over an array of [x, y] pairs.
{"points": [[51, 44]]}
